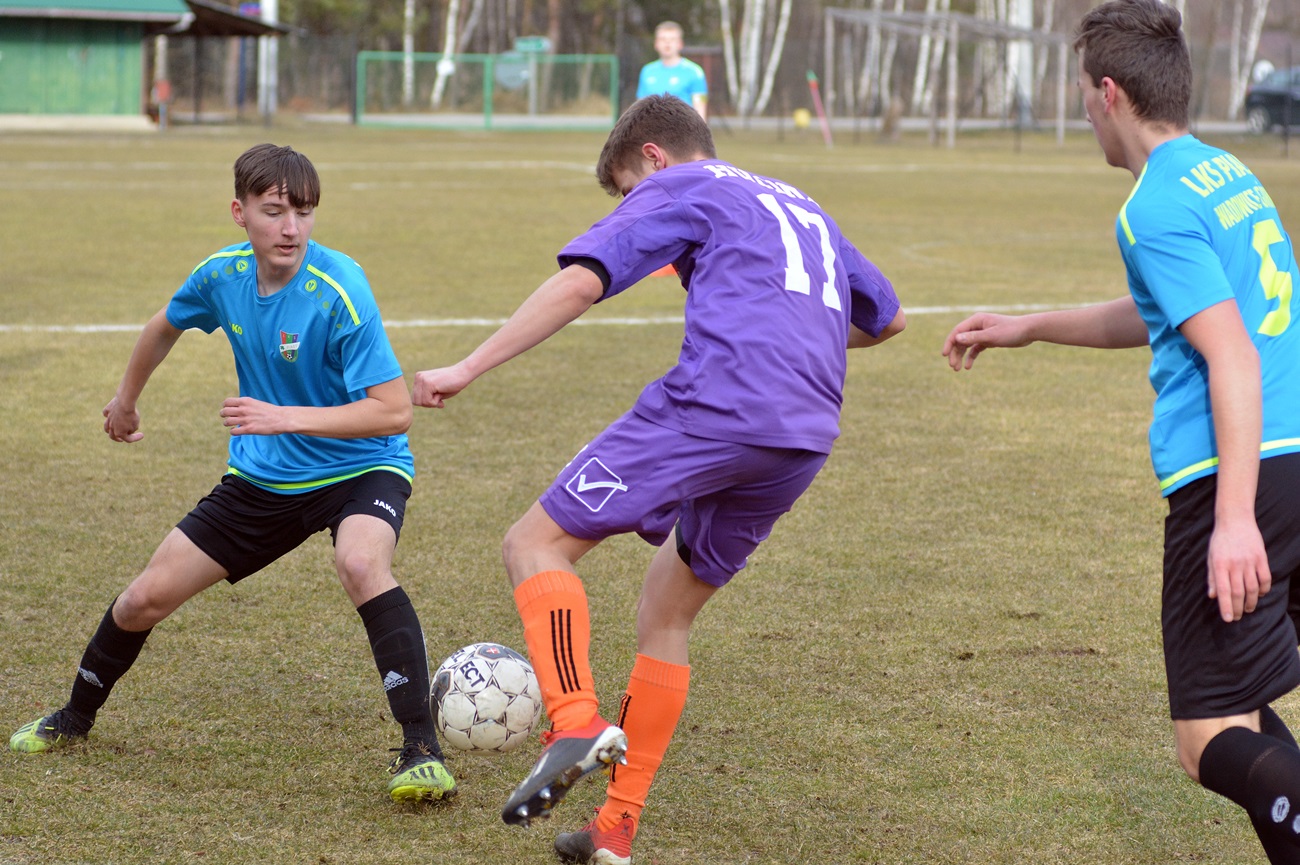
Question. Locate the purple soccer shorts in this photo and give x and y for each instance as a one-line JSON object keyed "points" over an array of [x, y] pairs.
{"points": [[638, 476]]}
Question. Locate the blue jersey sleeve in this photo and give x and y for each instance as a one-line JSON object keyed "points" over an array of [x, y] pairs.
{"points": [[366, 357], [359, 348], [191, 306]]}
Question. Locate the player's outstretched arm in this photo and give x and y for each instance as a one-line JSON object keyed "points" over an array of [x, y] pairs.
{"points": [[385, 410], [861, 339], [1115, 324], [1237, 564], [555, 303], [121, 418]]}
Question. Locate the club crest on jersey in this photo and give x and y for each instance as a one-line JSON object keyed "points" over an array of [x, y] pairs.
{"points": [[289, 346], [594, 484]]}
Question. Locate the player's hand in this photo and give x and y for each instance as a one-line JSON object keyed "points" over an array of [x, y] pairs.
{"points": [[434, 386], [247, 416], [122, 424], [983, 330], [1237, 568]]}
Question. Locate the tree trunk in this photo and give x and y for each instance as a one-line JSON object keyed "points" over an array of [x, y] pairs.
{"points": [[408, 54], [1245, 52], [751, 40], [869, 79], [774, 59], [729, 52], [887, 66], [936, 57], [448, 53], [920, 77]]}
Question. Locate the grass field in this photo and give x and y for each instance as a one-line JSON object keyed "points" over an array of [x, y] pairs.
{"points": [[947, 653]]}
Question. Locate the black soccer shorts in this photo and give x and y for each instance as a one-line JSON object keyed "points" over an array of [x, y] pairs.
{"points": [[244, 527], [1216, 668]]}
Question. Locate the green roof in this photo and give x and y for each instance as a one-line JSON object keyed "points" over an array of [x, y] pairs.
{"points": [[132, 10]]}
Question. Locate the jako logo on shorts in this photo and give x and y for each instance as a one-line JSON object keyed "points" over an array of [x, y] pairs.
{"points": [[594, 484]]}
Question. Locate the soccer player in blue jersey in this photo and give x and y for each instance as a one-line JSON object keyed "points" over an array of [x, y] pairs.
{"points": [[317, 441], [1210, 274], [705, 462], [672, 73]]}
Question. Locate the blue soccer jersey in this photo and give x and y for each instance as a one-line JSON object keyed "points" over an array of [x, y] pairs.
{"points": [[1199, 229], [684, 79], [772, 287], [319, 341]]}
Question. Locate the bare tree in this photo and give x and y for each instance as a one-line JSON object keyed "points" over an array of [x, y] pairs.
{"points": [[922, 72], [744, 66], [1247, 23], [936, 56], [774, 59], [408, 54], [869, 78], [453, 40], [875, 81]]}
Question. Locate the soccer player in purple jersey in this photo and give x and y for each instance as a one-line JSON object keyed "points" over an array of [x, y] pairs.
{"points": [[707, 459]]}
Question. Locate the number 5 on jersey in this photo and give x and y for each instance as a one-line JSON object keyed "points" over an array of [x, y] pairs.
{"points": [[1276, 283]]}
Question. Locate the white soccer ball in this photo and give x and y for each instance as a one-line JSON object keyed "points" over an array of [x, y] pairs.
{"points": [[486, 699]]}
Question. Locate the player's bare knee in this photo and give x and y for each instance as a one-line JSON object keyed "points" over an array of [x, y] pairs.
{"points": [[357, 568], [520, 547], [1191, 763], [138, 609]]}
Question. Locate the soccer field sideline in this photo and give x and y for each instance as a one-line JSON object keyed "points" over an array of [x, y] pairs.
{"points": [[625, 321]]}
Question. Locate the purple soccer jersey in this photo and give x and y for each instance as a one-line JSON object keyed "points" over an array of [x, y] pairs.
{"points": [[772, 286]]}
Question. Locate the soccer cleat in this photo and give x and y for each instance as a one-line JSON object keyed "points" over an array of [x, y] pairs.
{"points": [[52, 731], [568, 756], [594, 847], [419, 776]]}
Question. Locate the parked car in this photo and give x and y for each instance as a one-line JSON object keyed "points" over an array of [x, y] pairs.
{"points": [[1274, 101]]}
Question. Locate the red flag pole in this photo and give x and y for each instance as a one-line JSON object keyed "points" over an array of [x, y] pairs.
{"points": [[821, 110]]}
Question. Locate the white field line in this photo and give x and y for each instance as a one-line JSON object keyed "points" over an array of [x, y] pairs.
{"points": [[638, 321]]}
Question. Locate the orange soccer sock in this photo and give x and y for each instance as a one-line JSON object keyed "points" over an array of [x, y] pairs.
{"points": [[651, 707], [557, 629]]}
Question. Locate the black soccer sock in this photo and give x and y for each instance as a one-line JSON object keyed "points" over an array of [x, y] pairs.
{"points": [[110, 653], [398, 645], [1270, 724], [1262, 775]]}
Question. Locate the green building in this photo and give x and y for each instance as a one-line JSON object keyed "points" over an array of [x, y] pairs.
{"points": [[78, 57]]}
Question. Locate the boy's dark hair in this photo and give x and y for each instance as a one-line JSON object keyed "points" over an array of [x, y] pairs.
{"points": [[1139, 45], [663, 120], [266, 166]]}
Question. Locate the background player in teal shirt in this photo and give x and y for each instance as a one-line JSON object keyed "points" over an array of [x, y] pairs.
{"points": [[1211, 272], [673, 74], [318, 441]]}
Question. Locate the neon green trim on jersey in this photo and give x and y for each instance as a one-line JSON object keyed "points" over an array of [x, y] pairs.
{"points": [[347, 301], [1264, 448], [234, 254], [1177, 476], [1279, 443], [310, 485], [1123, 211]]}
